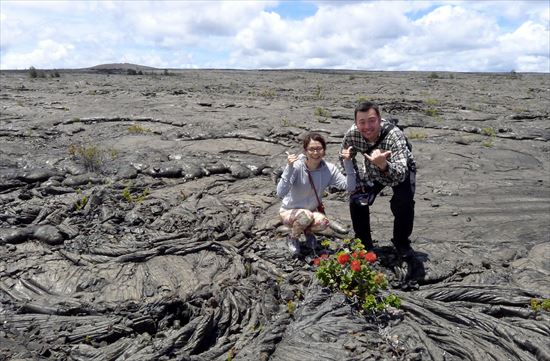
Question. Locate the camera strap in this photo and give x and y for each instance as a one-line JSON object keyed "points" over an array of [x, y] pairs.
{"points": [[320, 204]]}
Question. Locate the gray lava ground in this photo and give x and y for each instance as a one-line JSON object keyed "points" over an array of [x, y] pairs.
{"points": [[138, 217]]}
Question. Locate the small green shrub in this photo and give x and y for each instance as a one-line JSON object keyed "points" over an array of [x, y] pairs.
{"points": [[538, 305], [433, 75], [127, 194], [362, 99], [285, 122], [417, 135], [91, 155], [267, 93], [432, 112], [431, 102], [491, 133], [488, 143], [318, 94], [81, 203], [32, 72], [230, 355], [322, 112], [520, 110], [138, 129], [290, 307], [114, 153], [131, 72], [488, 131]]}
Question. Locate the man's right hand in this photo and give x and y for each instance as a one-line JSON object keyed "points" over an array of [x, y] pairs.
{"points": [[379, 158], [347, 153]]}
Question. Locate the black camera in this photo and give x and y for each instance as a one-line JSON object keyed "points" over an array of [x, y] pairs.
{"points": [[364, 199]]}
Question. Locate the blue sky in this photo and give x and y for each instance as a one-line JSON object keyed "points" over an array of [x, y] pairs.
{"points": [[484, 36]]}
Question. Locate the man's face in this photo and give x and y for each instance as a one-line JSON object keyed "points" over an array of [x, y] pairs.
{"points": [[368, 124]]}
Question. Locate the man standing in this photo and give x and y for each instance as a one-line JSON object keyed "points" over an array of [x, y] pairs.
{"points": [[388, 161]]}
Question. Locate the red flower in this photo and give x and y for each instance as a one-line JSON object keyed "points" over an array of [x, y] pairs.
{"points": [[317, 261], [354, 254], [324, 256], [370, 257], [361, 254], [343, 258], [355, 265]]}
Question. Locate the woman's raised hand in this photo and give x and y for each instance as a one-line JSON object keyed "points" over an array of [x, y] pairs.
{"points": [[291, 158]]}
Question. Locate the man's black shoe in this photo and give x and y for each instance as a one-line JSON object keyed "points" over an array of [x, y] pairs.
{"points": [[369, 246], [405, 251]]}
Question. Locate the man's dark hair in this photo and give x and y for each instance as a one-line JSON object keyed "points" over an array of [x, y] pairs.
{"points": [[365, 107], [316, 137]]}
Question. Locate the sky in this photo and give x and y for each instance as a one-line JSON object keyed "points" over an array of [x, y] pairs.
{"points": [[462, 36]]}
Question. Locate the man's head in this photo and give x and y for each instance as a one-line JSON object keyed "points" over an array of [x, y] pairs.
{"points": [[368, 121]]}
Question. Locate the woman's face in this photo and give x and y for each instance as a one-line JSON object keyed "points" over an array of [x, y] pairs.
{"points": [[314, 150]]}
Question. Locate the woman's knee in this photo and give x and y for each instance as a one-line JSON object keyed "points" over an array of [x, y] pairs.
{"points": [[304, 217], [320, 222]]}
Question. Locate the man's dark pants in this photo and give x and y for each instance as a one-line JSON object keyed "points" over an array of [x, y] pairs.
{"points": [[402, 207]]}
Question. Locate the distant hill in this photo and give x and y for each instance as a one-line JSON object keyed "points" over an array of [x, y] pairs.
{"points": [[121, 66]]}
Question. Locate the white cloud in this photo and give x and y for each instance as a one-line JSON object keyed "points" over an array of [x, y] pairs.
{"points": [[188, 22], [527, 48], [46, 55], [531, 63], [325, 39], [453, 36], [529, 37], [373, 35], [263, 34], [149, 58], [452, 27]]}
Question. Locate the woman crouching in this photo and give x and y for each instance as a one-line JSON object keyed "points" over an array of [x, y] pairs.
{"points": [[302, 184]]}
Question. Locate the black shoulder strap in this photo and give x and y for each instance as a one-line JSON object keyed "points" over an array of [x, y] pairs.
{"points": [[385, 130]]}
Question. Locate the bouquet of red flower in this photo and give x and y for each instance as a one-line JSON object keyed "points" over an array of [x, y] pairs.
{"points": [[350, 271]]}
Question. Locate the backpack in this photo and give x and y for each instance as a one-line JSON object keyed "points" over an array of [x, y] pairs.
{"points": [[394, 122]]}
